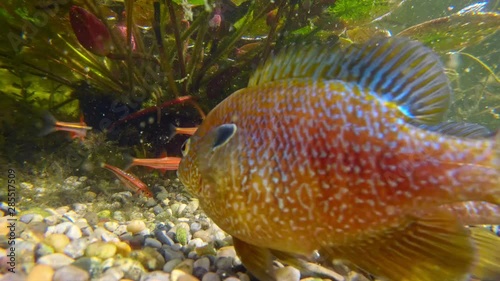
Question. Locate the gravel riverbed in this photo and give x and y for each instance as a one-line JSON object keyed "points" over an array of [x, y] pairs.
{"points": [[121, 238]]}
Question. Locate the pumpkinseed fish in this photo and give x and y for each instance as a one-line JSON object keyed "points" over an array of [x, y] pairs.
{"points": [[327, 152]]}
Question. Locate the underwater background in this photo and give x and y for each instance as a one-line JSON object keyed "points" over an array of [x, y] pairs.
{"points": [[97, 98]]}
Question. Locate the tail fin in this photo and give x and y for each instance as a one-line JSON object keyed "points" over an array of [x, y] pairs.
{"points": [[129, 161], [172, 130], [49, 125]]}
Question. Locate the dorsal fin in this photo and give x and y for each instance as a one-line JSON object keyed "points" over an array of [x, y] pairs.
{"points": [[298, 62], [460, 129], [398, 70], [402, 72]]}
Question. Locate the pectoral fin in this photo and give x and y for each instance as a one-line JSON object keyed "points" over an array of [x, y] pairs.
{"points": [[259, 261], [425, 248], [307, 268]]}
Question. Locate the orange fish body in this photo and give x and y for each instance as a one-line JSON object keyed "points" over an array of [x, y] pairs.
{"points": [[321, 154]]}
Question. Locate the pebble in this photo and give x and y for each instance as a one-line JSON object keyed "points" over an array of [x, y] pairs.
{"points": [[42, 249], [224, 263], [151, 202], [59, 228], [29, 218], [195, 226], [186, 266], [179, 275], [111, 226], [56, 260], [150, 258], [57, 241], [227, 251], [287, 273], [68, 228], [192, 206], [203, 262], [162, 236], [181, 210], [40, 272], [73, 232], [123, 249], [151, 242], [211, 276], [104, 214], [156, 276], [157, 209], [101, 250], [112, 274], [71, 216], [197, 243], [91, 265], [51, 220], [203, 235], [121, 229], [71, 273], [13, 277], [232, 278], [104, 235], [193, 255], [79, 208], [76, 248], [171, 264], [118, 216], [136, 226], [132, 269], [243, 276], [170, 254], [198, 272]]}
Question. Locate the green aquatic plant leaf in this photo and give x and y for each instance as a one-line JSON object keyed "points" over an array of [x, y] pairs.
{"points": [[4, 14], [190, 2], [454, 32], [362, 11]]}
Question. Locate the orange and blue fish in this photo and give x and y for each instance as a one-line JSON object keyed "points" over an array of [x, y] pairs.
{"points": [[341, 153]]}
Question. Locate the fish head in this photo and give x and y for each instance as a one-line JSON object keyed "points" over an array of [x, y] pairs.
{"points": [[205, 160]]}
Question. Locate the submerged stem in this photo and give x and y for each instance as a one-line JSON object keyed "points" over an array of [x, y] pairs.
{"points": [[178, 43], [164, 61], [485, 66]]}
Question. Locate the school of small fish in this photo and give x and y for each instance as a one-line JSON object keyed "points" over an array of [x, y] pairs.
{"points": [[342, 153]]}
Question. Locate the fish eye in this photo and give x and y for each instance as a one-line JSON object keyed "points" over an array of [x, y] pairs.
{"points": [[185, 147]]}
